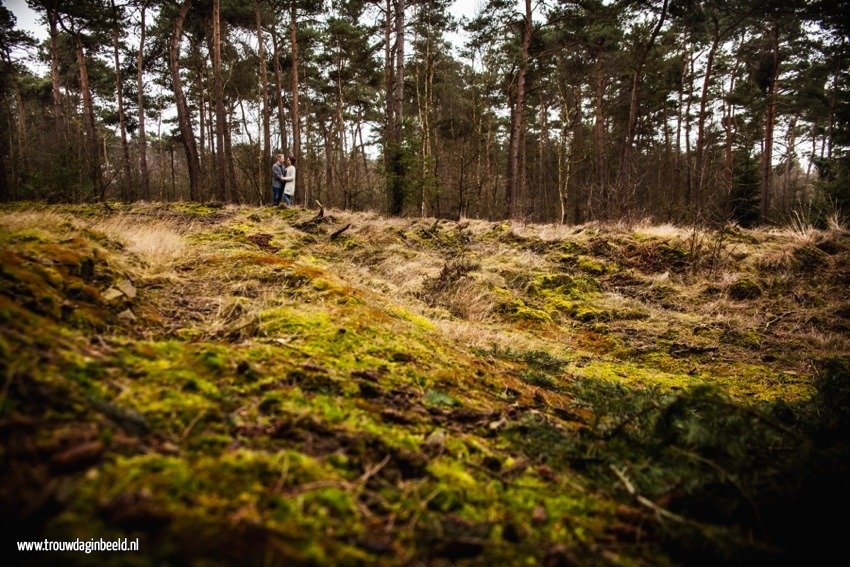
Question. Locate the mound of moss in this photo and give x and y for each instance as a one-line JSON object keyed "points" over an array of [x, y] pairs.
{"points": [[277, 396]]}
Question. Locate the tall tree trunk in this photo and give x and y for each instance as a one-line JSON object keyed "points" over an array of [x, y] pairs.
{"points": [[202, 110], [389, 124], [677, 156], [389, 107], [514, 174], [365, 160], [729, 126], [233, 194], [564, 158], [633, 97], [210, 113], [129, 186], [422, 111], [699, 166], [278, 81], [789, 164], [140, 86], [183, 114], [540, 203], [18, 147], [295, 87], [599, 133], [5, 189], [221, 187], [395, 110], [7, 142], [423, 150], [688, 163], [95, 173], [336, 134], [52, 19], [769, 119], [398, 109], [839, 65], [667, 197], [398, 91], [431, 141], [308, 176], [265, 161]]}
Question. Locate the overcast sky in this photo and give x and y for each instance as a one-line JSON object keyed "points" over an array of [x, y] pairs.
{"points": [[28, 19]]}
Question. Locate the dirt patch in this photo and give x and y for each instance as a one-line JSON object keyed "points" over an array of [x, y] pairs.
{"points": [[263, 240]]}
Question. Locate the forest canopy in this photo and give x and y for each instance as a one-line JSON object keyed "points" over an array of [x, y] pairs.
{"points": [[702, 111]]}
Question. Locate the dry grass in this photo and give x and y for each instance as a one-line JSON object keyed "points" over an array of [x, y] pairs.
{"points": [[158, 243], [555, 232], [506, 258], [28, 220], [799, 234], [667, 231], [475, 335]]}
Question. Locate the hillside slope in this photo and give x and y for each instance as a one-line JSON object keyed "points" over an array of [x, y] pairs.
{"points": [[242, 384]]}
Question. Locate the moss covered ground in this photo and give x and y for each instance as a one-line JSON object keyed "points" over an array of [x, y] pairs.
{"points": [[233, 384]]}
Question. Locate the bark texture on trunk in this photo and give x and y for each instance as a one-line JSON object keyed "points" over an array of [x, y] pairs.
{"points": [[183, 114], [516, 173], [140, 86], [295, 86], [265, 161], [221, 186], [769, 123]]}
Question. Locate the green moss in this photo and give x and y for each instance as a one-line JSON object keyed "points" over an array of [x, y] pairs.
{"points": [[562, 293], [572, 287], [592, 266], [516, 309], [189, 333], [809, 258], [672, 253], [270, 403], [421, 322], [214, 360], [744, 289], [748, 338], [25, 236], [210, 443], [435, 397], [194, 209], [305, 440], [757, 382]]}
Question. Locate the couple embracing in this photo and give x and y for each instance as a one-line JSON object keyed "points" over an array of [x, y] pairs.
{"points": [[283, 180]]}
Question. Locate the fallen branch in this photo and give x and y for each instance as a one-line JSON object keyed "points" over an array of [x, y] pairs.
{"points": [[312, 223], [192, 424], [334, 483], [337, 233], [776, 319], [644, 501], [371, 472]]}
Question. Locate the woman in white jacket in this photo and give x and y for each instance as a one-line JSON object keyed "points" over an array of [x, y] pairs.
{"points": [[289, 182]]}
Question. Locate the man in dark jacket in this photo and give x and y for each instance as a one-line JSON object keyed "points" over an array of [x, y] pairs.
{"points": [[278, 172]]}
